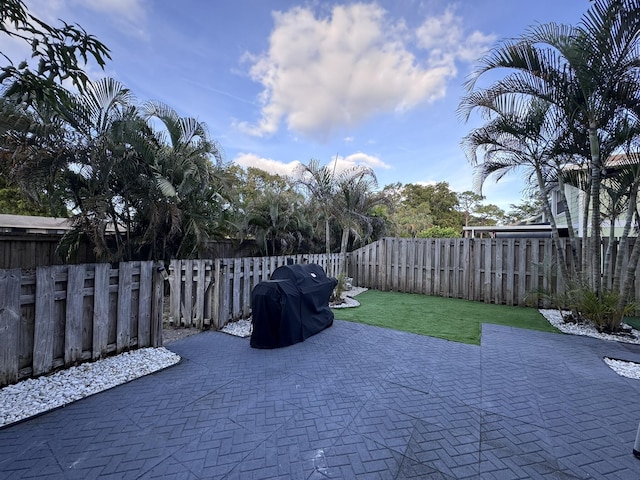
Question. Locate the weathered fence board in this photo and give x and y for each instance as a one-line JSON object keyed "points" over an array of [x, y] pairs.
{"points": [[63, 315], [9, 325], [74, 314]]}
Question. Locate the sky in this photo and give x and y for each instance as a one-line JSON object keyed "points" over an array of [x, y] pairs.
{"points": [[281, 82]]}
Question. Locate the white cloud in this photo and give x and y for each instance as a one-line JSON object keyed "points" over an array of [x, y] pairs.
{"points": [[323, 74], [267, 164], [340, 164], [444, 38]]}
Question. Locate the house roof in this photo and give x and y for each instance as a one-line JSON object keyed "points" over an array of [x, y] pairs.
{"points": [[30, 224]]}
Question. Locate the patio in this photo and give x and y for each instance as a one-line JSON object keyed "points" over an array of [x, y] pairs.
{"points": [[354, 401]]}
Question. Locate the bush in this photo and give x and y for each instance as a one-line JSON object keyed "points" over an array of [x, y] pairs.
{"points": [[439, 232], [601, 309]]}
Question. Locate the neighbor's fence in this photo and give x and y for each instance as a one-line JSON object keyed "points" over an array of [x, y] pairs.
{"points": [[511, 271], [21, 250], [214, 292], [63, 315]]}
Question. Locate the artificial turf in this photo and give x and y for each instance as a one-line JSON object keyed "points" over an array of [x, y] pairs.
{"points": [[448, 318]]}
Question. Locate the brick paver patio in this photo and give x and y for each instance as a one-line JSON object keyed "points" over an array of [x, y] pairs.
{"points": [[351, 402]]}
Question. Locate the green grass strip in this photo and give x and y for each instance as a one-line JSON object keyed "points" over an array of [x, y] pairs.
{"points": [[448, 318]]}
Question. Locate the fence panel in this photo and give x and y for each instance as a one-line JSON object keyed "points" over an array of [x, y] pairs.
{"points": [[511, 271], [63, 315], [228, 283]]}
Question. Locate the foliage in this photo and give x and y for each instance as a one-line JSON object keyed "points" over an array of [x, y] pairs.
{"points": [[601, 309], [440, 200], [59, 53], [439, 232], [567, 103], [346, 199], [528, 208]]}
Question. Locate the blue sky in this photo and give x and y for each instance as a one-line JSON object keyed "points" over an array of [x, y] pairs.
{"points": [[280, 82]]}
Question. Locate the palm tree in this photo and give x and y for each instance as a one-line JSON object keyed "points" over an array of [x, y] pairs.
{"points": [[588, 72], [520, 134], [354, 203], [184, 167], [106, 127], [321, 184]]}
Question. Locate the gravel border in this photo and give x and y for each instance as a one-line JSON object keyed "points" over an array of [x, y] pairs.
{"points": [[38, 395], [621, 367]]}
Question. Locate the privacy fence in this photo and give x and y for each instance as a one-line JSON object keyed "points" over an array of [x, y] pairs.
{"points": [[511, 271], [62, 315], [211, 293]]}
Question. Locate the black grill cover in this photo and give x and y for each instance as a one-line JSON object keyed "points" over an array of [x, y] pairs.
{"points": [[292, 306]]}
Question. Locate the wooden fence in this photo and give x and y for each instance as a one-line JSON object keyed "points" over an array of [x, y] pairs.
{"points": [[511, 271], [214, 292], [62, 315], [35, 250]]}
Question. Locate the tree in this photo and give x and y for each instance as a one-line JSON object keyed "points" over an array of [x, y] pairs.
{"points": [[588, 73], [438, 199], [519, 212], [184, 167], [354, 203], [320, 183], [272, 212], [60, 53], [469, 202]]}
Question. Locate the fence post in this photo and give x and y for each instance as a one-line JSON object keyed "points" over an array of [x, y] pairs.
{"points": [[215, 294], [157, 298]]}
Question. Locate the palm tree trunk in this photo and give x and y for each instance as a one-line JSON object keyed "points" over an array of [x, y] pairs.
{"points": [[554, 228], [624, 239], [585, 230], [595, 250], [343, 249], [629, 275], [608, 254], [572, 237], [327, 242]]}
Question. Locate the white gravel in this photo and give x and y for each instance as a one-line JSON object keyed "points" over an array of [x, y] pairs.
{"points": [[36, 395], [622, 368], [241, 328], [33, 396]]}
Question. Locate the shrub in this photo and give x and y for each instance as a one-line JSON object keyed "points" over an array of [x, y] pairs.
{"points": [[601, 309]]}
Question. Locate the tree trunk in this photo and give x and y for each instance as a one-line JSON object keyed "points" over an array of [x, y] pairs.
{"points": [[629, 275], [343, 249], [327, 240], [624, 239], [576, 270], [608, 254], [585, 231], [596, 175], [554, 228]]}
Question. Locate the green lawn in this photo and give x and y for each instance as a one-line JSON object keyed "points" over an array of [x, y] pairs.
{"points": [[448, 318]]}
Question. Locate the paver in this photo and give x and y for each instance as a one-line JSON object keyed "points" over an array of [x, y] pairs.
{"points": [[353, 401]]}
